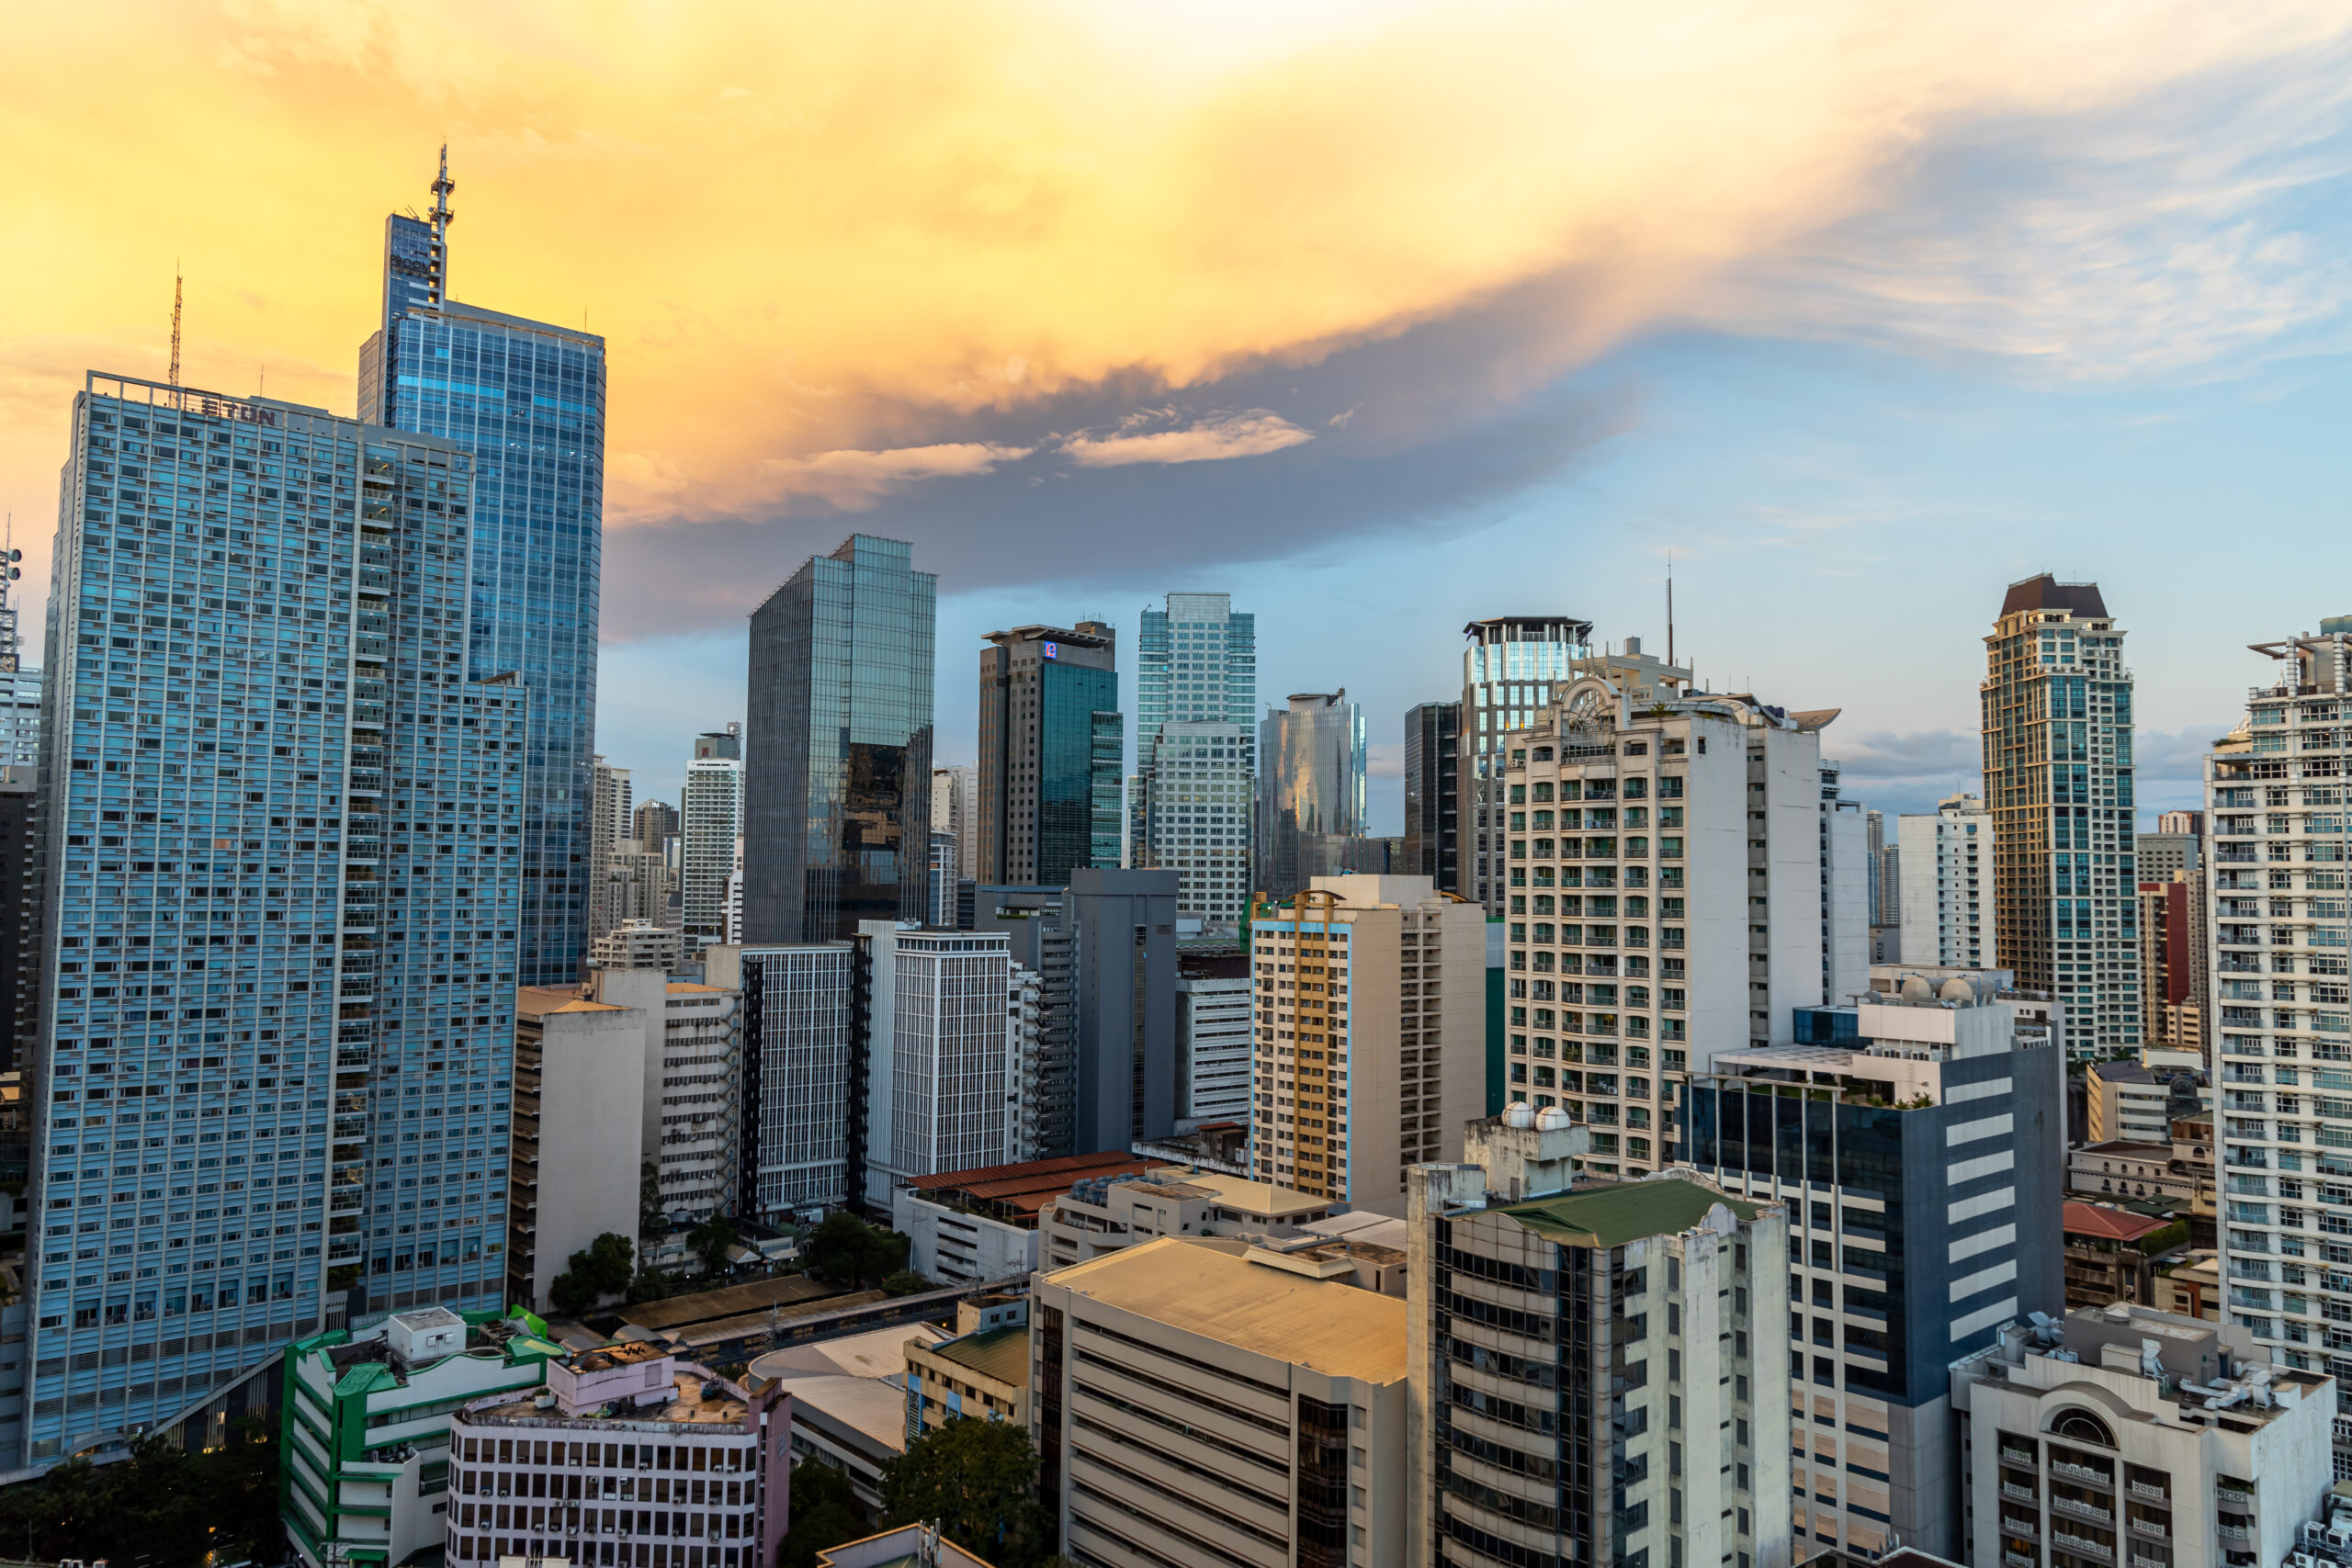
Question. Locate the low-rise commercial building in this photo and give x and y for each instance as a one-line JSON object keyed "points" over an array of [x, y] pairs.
{"points": [[2130, 1103], [1198, 1408], [849, 1401], [2114, 1254], [364, 1457], [1105, 1213], [2126, 1433], [630, 1458], [970, 1227], [981, 1374]]}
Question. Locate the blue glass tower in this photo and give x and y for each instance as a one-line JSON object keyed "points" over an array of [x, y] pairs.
{"points": [[277, 982], [526, 400]]}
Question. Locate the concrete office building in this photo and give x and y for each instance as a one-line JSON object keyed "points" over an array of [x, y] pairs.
{"points": [[579, 1096], [1947, 885], [609, 811], [981, 1374], [971, 1227], [1041, 932], [801, 1100], [365, 1458], [691, 1133], [2176, 962], [1915, 1142], [20, 717], [635, 944], [1647, 1313], [1202, 1408], [20, 910], [657, 1460], [2163, 854], [1105, 1212], [1663, 882], [1845, 891], [934, 1058], [837, 792], [2274, 797], [1434, 794], [337, 1009], [1887, 888], [2129, 1103], [2058, 772], [1509, 671], [955, 811], [1310, 811], [2130, 1431], [710, 826], [1213, 1036], [524, 401], [1053, 742], [1196, 712], [1371, 1033]]}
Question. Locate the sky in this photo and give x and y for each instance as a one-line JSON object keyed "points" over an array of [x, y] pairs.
{"points": [[1381, 316]]}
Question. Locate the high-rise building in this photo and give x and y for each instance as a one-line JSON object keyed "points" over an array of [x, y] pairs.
{"points": [[1196, 706], [2161, 855], [1053, 743], [1213, 1035], [298, 951], [1311, 812], [20, 900], [709, 829], [1660, 1307], [1915, 1141], [1845, 891], [525, 401], [1947, 909], [2058, 767], [837, 797], [2282, 1007], [655, 823], [609, 821], [1663, 884], [580, 1089], [691, 1138], [936, 1054], [1433, 793], [2192, 823], [955, 811], [1042, 931], [1509, 673], [1887, 888], [1371, 1033], [801, 1101], [2175, 964], [940, 897]]}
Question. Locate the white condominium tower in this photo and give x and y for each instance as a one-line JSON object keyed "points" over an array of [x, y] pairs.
{"points": [[1197, 703], [2058, 782], [1508, 672], [1663, 883], [712, 822], [2275, 799], [1947, 892]]}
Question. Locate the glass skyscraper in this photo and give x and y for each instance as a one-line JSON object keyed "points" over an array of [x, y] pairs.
{"points": [[1196, 705], [526, 400], [1052, 744], [1509, 671], [278, 958], [1311, 807], [837, 759]]}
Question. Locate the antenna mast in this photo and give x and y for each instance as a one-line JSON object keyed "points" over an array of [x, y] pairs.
{"points": [[9, 572], [1669, 607], [442, 189], [173, 378]]}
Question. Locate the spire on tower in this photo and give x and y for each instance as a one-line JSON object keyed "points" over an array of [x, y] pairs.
{"points": [[173, 378]]}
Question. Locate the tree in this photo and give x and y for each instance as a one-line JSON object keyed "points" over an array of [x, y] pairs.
{"points": [[651, 1220], [977, 1480], [709, 1242], [161, 1506], [648, 1285], [600, 1269], [824, 1514], [846, 1249], [907, 1283]]}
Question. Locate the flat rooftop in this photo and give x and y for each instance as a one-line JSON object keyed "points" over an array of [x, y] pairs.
{"points": [[1331, 1328], [1610, 1214], [686, 1406], [1001, 1355]]}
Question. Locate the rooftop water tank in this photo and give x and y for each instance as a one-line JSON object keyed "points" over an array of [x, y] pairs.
{"points": [[1551, 1119], [1519, 1113]]}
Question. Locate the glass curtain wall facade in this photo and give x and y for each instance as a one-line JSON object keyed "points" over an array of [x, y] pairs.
{"points": [[1196, 686], [837, 770], [1509, 673], [526, 400], [800, 1032], [1311, 812], [1432, 794], [1052, 744], [2058, 770], [290, 835]]}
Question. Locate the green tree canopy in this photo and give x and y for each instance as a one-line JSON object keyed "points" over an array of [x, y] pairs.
{"points": [[824, 1514], [602, 1268], [978, 1481], [846, 1249]]}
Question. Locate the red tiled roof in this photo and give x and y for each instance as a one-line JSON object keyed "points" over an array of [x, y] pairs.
{"points": [[2109, 1224], [1029, 1184]]}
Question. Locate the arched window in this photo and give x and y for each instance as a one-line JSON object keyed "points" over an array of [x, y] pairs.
{"points": [[2080, 1425]]}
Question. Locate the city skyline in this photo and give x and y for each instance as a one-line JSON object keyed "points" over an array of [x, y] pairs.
{"points": [[1907, 348]]}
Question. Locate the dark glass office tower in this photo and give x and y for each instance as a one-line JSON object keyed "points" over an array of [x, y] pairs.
{"points": [[1052, 745], [1432, 789], [526, 400], [837, 759]]}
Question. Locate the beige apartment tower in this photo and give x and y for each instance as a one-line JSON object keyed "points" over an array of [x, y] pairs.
{"points": [[1370, 1050]]}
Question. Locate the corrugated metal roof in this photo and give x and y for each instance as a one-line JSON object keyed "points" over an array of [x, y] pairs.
{"points": [[1622, 1211]]}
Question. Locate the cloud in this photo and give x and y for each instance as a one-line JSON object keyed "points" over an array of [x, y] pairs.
{"points": [[855, 481], [1211, 440]]}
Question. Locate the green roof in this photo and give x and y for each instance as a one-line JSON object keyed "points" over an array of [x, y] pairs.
{"points": [[999, 1353], [1622, 1211]]}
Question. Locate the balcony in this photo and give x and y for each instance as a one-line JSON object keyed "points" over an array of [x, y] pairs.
{"points": [[2022, 1494], [2018, 1559], [2155, 1529], [2083, 1510], [2082, 1545], [2229, 1496], [2140, 1489], [2237, 1534], [2016, 1456], [2081, 1473]]}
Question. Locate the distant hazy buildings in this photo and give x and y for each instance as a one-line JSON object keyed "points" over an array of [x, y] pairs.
{"points": [[1509, 673], [1053, 743], [837, 788], [1946, 887], [1311, 811], [708, 827], [2176, 959], [1434, 794], [1197, 701], [1845, 891], [2058, 772], [955, 811]]}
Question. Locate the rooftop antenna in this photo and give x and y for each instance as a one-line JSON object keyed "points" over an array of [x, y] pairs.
{"points": [[442, 217], [1669, 608], [173, 377], [9, 572]]}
